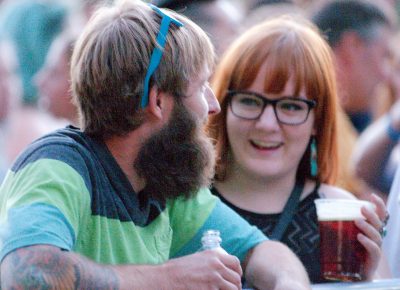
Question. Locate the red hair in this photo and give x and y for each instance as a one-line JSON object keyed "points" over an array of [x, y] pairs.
{"points": [[289, 46]]}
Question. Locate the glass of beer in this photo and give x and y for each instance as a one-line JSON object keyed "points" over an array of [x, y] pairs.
{"points": [[342, 256]]}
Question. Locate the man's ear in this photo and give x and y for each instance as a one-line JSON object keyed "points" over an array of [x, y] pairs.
{"points": [[155, 105]]}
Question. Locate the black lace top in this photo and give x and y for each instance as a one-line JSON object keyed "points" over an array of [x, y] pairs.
{"points": [[301, 236]]}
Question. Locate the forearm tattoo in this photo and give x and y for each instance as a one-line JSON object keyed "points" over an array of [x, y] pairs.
{"points": [[46, 267]]}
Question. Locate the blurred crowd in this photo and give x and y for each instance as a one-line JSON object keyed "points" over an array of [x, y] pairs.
{"points": [[37, 38]]}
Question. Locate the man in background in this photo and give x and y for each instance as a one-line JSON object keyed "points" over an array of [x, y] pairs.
{"points": [[359, 34]]}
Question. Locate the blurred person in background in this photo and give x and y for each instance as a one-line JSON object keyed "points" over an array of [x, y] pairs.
{"points": [[221, 19], [81, 11], [255, 4], [53, 79], [359, 34], [377, 153], [30, 26], [10, 92], [260, 11], [10, 85], [276, 138], [88, 7]]}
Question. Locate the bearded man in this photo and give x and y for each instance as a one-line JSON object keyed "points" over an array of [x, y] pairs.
{"points": [[122, 202]]}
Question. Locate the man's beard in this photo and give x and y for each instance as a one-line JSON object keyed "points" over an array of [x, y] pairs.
{"points": [[178, 160]]}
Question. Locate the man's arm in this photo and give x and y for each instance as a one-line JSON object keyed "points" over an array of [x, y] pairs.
{"points": [[272, 265], [48, 267]]}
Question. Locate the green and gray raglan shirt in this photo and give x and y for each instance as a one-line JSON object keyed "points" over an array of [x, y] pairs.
{"points": [[67, 190]]}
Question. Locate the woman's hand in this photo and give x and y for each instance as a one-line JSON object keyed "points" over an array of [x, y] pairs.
{"points": [[372, 233]]}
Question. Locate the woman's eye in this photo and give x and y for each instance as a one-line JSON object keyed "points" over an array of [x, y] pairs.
{"points": [[291, 106], [250, 102]]}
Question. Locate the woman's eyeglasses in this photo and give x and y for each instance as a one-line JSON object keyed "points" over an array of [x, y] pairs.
{"points": [[288, 110]]}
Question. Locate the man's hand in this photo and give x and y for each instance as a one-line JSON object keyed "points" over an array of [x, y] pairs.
{"points": [[204, 270]]}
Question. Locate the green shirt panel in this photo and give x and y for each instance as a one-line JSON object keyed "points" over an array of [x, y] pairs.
{"points": [[114, 242], [187, 217], [47, 181]]}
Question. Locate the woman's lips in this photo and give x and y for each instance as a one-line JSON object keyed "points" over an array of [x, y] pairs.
{"points": [[265, 145]]}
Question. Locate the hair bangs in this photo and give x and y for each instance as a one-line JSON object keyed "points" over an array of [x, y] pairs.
{"points": [[280, 63], [244, 75]]}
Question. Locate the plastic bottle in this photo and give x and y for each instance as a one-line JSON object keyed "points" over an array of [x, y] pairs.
{"points": [[211, 240]]}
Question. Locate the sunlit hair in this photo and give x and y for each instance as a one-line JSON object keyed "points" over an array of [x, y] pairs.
{"points": [[110, 61], [288, 45]]}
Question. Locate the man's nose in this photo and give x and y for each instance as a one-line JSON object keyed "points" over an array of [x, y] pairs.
{"points": [[213, 104]]}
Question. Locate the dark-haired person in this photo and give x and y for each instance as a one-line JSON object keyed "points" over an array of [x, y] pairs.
{"points": [[122, 202], [359, 33]]}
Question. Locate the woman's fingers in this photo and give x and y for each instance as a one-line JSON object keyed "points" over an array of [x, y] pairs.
{"points": [[380, 206], [369, 231], [374, 255], [380, 217], [372, 248]]}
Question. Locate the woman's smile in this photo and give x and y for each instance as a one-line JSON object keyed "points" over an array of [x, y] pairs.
{"points": [[265, 145]]}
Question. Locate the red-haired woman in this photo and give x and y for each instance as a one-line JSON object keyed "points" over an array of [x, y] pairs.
{"points": [[277, 135]]}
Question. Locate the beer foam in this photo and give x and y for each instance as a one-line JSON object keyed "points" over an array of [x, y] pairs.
{"points": [[341, 209]]}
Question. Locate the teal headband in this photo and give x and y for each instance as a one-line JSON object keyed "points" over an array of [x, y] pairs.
{"points": [[157, 53]]}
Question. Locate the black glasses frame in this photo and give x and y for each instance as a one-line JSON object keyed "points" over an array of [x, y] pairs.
{"points": [[310, 105]]}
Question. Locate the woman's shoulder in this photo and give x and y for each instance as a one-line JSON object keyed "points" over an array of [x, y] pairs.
{"points": [[331, 191]]}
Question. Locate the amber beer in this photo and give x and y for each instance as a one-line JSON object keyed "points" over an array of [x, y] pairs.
{"points": [[342, 256]]}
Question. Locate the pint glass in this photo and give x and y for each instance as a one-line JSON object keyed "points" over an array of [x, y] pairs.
{"points": [[342, 256]]}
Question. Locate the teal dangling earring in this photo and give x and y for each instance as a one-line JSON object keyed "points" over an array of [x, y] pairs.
{"points": [[313, 157]]}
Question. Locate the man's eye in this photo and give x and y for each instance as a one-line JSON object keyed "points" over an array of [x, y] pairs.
{"points": [[205, 86]]}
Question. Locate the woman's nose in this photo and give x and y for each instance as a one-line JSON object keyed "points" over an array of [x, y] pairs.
{"points": [[268, 118]]}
